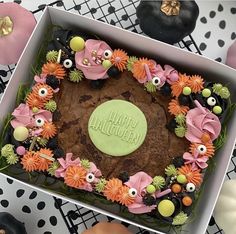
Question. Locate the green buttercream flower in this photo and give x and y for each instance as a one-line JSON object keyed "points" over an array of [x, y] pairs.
{"points": [[171, 170], [180, 119], [150, 87], [42, 141], [52, 56], [217, 87], [180, 219], [180, 131], [85, 163], [51, 105], [100, 185], [224, 93], [7, 150], [76, 76], [130, 62], [12, 159], [53, 167], [158, 182]]}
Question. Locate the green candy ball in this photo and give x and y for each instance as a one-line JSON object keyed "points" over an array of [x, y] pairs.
{"points": [[21, 133], [35, 109], [182, 179], [106, 64], [217, 110], [187, 90], [150, 189], [206, 93], [77, 44], [166, 208]]}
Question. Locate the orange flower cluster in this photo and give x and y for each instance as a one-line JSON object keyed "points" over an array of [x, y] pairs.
{"points": [[115, 191], [139, 71], [175, 108], [193, 175], [49, 130], [119, 59], [33, 161], [209, 147], [75, 176], [54, 69]]}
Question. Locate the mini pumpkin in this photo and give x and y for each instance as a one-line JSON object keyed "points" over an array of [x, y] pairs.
{"points": [[16, 26], [107, 228], [225, 209], [9, 224], [168, 20]]}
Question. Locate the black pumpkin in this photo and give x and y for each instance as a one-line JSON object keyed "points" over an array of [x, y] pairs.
{"points": [[10, 225], [170, 28]]}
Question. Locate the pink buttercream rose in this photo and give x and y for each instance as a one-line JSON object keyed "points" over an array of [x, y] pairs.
{"points": [[139, 181], [65, 163], [200, 120], [96, 172], [94, 70], [196, 160], [22, 116]]}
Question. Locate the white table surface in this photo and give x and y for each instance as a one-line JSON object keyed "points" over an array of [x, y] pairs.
{"points": [[214, 33]]}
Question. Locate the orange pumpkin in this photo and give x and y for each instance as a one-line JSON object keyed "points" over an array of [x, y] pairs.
{"points": [[105, 228]]}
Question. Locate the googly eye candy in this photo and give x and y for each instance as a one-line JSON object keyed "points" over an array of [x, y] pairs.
{"points": [[133, 192], [39, 122], [190, 187], [67, 63], [211, 101], [43, 92], [202, 149], [107, 54], [156, 81], [90, 177]]}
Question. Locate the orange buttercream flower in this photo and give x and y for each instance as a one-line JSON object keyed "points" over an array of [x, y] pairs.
{"points": [[124, 197], [30, 161], [139, 71], [112, 188], [177, 86], [193, 175], [49, 130], [210, 149], [119, 58], [33, 101], [75, 176], [196, 83], [43, 162], [175, 108], [54, 69], [43, 91]]}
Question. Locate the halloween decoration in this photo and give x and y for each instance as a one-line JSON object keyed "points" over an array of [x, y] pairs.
{"points": [[169, 20], [10, 225], [16, 26]]}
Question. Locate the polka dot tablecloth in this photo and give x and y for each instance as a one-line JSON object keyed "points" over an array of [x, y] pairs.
{"points": [[41, 213]]}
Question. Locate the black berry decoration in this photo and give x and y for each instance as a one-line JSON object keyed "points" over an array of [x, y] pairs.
{"points": [[52, 143], [113, 72], [58, 153], [183, 100], [97, 84], [178, 161], [171, 125], [149, 200], [165, 89], [124, 176], [52, 81]]}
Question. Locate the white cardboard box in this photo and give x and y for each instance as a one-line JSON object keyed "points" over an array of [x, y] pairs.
{"points": [[182, 60]]}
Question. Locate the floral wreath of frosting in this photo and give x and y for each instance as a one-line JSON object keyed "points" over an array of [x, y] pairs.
{"points": [[197, 107]]}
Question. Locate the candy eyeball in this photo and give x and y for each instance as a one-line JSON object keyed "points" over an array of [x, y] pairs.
{"points": [[156, 81], [67, 63], [39, 122], [90, 177], [43, 92], [211, 101], [202, 149], [107, 54], [190, 187], [133, 192]]}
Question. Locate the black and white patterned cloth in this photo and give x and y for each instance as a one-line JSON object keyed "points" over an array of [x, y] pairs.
{"points": [[41, 213]]}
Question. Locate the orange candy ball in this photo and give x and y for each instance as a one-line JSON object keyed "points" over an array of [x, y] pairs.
{"points": [[176, 188], [187, 201]]}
